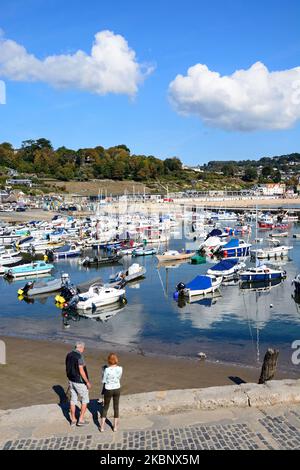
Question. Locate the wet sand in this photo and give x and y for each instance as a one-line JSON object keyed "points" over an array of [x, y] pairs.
{"points": [[35, 372]]}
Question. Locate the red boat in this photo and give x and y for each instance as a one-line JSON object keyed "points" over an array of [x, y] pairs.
{"points": [[266, 225]]}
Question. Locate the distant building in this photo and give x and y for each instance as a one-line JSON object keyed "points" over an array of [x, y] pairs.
{"points": [[197, 169], [272, 189], [19, 182], [3, 195]]}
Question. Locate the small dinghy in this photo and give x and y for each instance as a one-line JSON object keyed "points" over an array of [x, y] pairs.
{"points": [[201, 285], [100, 261], [228, 268], [174, 255], [33, 288], [135, 271], [144, 252], [279, 235]]}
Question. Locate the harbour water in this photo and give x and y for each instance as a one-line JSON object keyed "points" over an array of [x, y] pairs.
{"points": [[236, 325]]}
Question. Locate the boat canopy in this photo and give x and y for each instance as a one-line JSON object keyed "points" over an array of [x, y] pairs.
{"points": [[62, 249], [216, 232], [225, 265], [233, 243], [200, 283]]}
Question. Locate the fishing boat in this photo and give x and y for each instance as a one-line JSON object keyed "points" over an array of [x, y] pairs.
{"points": [[30, 269], [33, 288], [100, 261], [174, 255], [261, 273], [228, 268], [98, 296], [235, 249], [67, 251], [201, 285], [135, 271], [144, 252]]}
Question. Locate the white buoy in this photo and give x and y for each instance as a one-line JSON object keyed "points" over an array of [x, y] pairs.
{"points": [[202, 355], [271, 305]]}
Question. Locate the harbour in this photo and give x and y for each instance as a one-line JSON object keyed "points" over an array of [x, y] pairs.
{"points": [[233, 324]]}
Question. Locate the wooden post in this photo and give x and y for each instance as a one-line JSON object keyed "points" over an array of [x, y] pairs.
{"points": [[269, 366]]}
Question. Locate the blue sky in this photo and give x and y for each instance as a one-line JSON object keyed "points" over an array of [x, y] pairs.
{"points": [[170, 36]]}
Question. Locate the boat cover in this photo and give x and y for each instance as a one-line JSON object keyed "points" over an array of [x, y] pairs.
{"points": [[225, 265], [216, 232], [200, 283], [62, 249], [233, 243]]}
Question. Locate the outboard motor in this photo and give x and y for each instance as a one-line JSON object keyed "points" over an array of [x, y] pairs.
{"points": [[26, 288], [179, 291], [65, 279], [68, 292], [180, 286]]}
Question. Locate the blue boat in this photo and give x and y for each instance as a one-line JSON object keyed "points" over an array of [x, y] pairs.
{"points": [[262, 273], [30, 269], [67, 251], [227, 268], [201, 285], [235, 249]]}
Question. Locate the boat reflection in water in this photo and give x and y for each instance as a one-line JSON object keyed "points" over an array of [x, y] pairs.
{"points": [[105, 313], [260, 285], [208, 301]]}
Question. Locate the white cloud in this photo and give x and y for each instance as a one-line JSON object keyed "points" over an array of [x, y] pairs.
{"points": [[247, 100], [111, 67]]}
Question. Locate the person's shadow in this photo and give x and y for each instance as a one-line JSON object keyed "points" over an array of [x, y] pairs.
{"points": [[94, 407], [64, 403]]}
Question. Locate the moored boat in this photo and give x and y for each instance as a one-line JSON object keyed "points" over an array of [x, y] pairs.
{"points": [[174, 255], [261, 273], [30, 269], [33, 288], [97, 296], [235, 249], [144, 252], [228, 268], [201, 285], [135, 271]]}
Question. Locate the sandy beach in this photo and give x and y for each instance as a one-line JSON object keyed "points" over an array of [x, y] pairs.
{"points": [[35, 372], [228, 203]]}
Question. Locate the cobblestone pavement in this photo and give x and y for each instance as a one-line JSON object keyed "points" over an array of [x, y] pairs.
{"points": [[273, 428]]}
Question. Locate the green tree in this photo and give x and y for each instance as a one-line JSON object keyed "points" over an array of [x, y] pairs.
{"points": [[250, 174]]}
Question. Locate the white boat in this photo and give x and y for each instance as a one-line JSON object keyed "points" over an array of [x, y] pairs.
{"points": [[262, 273], [135, 271], [211, 244], [10, 258], [279, 235], [271, 252], [33, 288], [98, 296], [201, 285], [174, 255], [226, 268]]}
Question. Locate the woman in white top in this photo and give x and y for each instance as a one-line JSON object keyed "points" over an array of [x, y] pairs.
{"points": [[112, 388]]}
